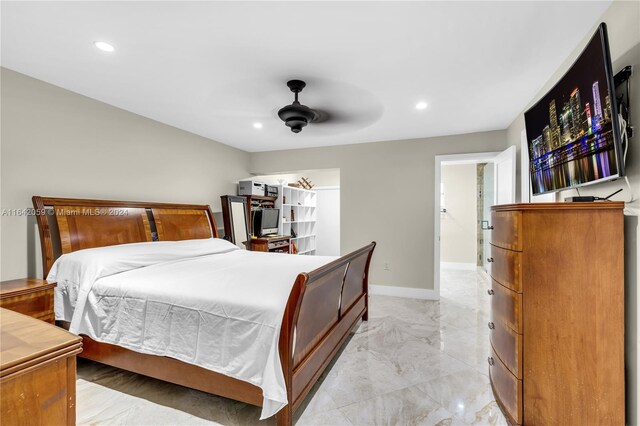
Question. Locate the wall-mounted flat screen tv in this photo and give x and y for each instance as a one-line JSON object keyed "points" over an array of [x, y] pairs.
{"points": [[572, 132]]}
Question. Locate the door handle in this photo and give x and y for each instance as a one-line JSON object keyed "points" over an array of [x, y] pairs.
{"points": [[489, 259], [485, 225]]}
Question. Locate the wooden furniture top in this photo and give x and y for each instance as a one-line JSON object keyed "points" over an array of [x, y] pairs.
{"points": [[83, 223], [26, 340], [21, 286], [560, 206], [271, 239]]}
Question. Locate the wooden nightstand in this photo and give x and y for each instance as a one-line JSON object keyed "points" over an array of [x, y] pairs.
{"points": [[37, 372], [29, 296]]}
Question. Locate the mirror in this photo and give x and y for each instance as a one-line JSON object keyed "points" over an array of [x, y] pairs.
{"points": [[236, 224], [239, 218]]}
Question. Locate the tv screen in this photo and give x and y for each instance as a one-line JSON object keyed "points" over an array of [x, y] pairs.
{"points": [[572, 132], [266, 220]]}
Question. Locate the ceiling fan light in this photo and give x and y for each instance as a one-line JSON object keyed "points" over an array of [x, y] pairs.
{"points": [[296, 124], [296, 116]]}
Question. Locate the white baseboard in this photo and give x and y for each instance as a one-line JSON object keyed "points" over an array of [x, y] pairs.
{"points": [[457, 265], [406, 292]]}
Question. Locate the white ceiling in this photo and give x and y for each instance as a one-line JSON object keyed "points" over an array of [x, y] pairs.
{"points": [[215, 68]]}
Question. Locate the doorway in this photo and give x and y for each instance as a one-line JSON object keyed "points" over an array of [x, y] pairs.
{"points": [[490, 180]]}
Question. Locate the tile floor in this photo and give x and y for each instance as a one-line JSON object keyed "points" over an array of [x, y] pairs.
{"points": [[414, 362]]}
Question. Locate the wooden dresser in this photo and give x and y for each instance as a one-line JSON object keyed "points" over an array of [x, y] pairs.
{"points": [[29, 296], [557, 313], [37, 371]]}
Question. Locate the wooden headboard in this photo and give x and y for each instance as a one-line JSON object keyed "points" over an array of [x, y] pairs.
{"points": [[69, 224]]}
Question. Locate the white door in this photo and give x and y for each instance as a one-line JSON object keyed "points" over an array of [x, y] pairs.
{"points": [[505, 176], [328, 221]]}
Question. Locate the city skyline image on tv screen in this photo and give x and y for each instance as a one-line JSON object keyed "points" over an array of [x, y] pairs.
{"points": [[570, 131]]}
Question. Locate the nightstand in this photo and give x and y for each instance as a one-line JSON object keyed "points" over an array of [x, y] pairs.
{"points": [[29, 296], [37, 371]]}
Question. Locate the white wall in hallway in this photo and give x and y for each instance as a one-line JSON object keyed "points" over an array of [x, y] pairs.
{"points": [[328, 221], [458, 225]]}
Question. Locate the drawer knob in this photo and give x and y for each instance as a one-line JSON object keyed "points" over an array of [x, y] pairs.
{"points": [[489, 259], [491, 325], [490, 360], [490, 291]]}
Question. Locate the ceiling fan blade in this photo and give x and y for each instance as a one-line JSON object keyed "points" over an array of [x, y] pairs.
{"points": [[323, 116]]}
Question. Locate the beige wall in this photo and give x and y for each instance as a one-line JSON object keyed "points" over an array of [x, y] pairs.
{"points": [[387, 193], [623, 25], [58, 143], [458, 226]]}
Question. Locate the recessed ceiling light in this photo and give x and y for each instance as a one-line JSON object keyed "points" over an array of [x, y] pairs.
{"points": [[421, 105], [104, 46], [257, 125]]}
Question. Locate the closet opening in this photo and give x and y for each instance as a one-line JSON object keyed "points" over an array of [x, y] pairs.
{"points": [[312, 221]]}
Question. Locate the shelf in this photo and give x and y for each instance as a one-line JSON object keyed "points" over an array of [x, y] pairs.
{"points": [[299, 205], [302, 206], [260, 197], [298, 189], [303, 236]]}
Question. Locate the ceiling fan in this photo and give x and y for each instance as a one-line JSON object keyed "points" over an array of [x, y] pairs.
{"points": [[296, 116]]}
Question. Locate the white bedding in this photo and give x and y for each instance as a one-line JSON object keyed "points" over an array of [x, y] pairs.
{"points": [[204, 302]]}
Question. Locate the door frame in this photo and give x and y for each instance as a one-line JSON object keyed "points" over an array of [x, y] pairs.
{"points": [[468, 158]]}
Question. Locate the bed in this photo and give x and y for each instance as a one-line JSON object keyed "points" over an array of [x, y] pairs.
{"points": [[322, 306]]}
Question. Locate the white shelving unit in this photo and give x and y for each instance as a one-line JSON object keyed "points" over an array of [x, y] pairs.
{"points": [[298, 213]]}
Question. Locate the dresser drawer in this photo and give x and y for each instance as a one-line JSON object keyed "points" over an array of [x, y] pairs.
{"points": [[507, 230], [506, 306], [506, 268], [37, 304], [506, 388], [508, 346]]}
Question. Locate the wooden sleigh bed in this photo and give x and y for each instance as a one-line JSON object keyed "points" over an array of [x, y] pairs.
{"points": [[323, 306]]}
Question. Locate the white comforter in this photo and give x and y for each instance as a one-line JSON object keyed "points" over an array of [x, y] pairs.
{"points": [[204, 302]]}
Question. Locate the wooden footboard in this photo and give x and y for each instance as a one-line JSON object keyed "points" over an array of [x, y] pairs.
{"points": [[323, 307]]}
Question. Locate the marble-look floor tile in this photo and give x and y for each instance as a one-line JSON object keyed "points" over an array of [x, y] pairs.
{"points": [[415, 362], [489, 415], [357, 376], [375, 335], [408, 406], [464, 393], [418, 361], [326, 418]]}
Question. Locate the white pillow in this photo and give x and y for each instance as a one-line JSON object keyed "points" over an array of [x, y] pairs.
{"points": [[85, 267]]}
